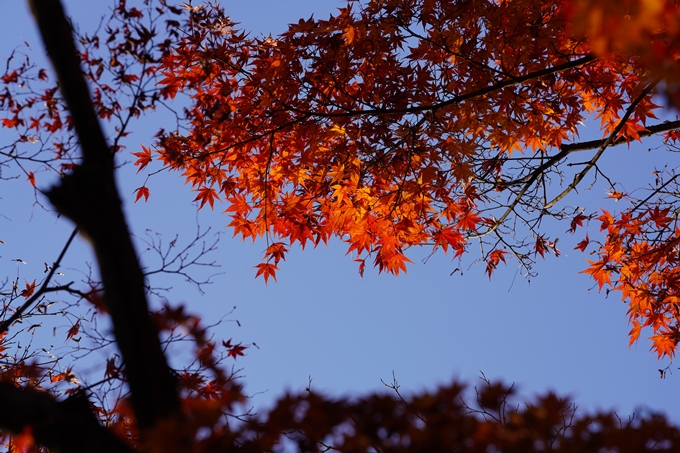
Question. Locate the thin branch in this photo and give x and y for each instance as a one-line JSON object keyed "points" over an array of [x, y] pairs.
{"points": [[612, 137], [656, 191], [43, 288], [456, 99], [569, 148]]}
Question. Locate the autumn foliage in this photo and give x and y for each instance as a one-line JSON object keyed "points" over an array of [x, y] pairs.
{"points": [[397, 124], [390, 125]]}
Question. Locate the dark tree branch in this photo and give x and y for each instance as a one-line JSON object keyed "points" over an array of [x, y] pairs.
{"points": [[454, 100], [62, 426], [596, 144], [89, 197], [570, 148]]}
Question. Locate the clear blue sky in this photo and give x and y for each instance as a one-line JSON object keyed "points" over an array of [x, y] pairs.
{"points": [[554, 332]]}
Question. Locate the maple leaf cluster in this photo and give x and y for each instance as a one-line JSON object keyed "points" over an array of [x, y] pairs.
{"points": [[397, 123], [120, 63], [393, 125], [640, 259]]}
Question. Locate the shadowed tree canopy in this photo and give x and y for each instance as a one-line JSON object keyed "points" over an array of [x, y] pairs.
{"points": [[395, 123]]}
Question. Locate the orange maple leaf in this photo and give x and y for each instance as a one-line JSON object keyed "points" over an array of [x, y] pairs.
{"points": [[599, 271], [468, 221], [206, 195], [349, 35], [664, 345], [583, 244], [276, 251], [634, 333], [143, 158], [615, 195], [450, 237], [494, 259], [142, 192], [266, 270], [67, 376], [28, 291]]}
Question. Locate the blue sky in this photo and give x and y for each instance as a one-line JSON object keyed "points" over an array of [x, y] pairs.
{"points": [[321, 320]]}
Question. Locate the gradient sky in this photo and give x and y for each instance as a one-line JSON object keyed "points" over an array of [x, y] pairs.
{"points": [[321, 320]]}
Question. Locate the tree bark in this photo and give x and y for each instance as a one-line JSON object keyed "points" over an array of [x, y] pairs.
{"points": [[89, 197], [62, 426]]}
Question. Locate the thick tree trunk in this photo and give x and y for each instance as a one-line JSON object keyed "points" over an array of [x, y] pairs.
{"points": [[89, 197], [63, 426]]}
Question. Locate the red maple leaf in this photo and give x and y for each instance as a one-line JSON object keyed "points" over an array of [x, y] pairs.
{"points": [[142, 192], [73, 331], [583, 244], [143, 158], [236, 350], [28, 291]]}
